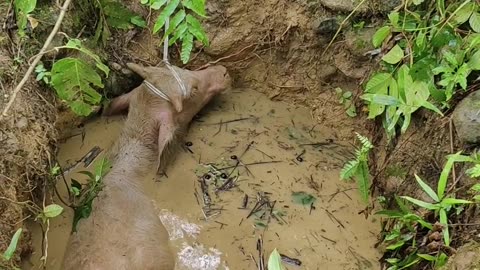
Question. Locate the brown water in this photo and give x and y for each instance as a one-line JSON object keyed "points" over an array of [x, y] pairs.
{"points": [[331, 235]]}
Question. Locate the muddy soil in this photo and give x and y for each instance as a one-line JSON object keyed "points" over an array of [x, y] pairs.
{"points": [[323, 235]]}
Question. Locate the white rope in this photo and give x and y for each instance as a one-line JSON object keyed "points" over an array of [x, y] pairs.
{"points": [[154, 89]]}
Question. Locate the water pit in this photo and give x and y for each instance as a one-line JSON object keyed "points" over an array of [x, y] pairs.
{"points": [[287, 153]]}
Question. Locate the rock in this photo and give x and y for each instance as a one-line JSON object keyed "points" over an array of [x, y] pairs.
{"points": [[327, 27], [466, 258], [466, 119], [372, 6], [360, 42], [22, 123]]}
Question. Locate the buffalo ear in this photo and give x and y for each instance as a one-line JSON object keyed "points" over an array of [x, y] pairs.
{"points": [[118, 105]]}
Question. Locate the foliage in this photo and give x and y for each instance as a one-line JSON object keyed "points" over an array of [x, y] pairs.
{"points": [[408, 226], [183, 22], [84, 194], [23, 8], [12, 247], [75, 80], [42, 73], [358, 167], [345, 98], [114, 14], [432, 50], [275, 261], [50, 211]]}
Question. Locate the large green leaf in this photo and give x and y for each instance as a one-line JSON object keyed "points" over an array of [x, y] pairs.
{"points": [[474, 62], [8, 254], [195, 28], [25, 6], [380, 36], [378, 83], [187, 46], [73, 80], [77, 45], [166, 13], [381, 99], [394, 56]]}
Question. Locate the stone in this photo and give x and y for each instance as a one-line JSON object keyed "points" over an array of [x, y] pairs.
{"points": [[466, 119], [371, 6], [466, 258]]}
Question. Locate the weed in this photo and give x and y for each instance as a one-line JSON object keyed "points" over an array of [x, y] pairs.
{"points": [[430, 55], [358, 168], [23, 8], [345, 98], [404, 249], [83, 195], [42, 74], [183, 25], [12, 247]]}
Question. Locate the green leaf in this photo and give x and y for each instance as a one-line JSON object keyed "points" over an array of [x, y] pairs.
{"points": [[179, 33], [349, 170], [196, 30], [441, 260], [394, 17], [474, 62], [52, 210], [187, 46], [157, 4], [77, 45], [394, 56], [117, 15], [390, 213], [363, 181], [166, 12], [395, 246], [453, 201], [378, 83], [463, 13], [176, 20], [25, 6], [423, 204], [275, 261], [12, 247], [475, 22], [444, 222], [381, 99], [427, 257], [303, 198], [380, 36], [102, 168], [197, 6], [442, 181], [427, 189], [474, 172], [73, 80], [138, 21]]}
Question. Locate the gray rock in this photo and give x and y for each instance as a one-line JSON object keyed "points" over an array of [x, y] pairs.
{"points": [[466, 118]]}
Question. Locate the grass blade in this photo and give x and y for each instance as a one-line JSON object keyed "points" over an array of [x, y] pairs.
{"points": [[427, 189], [8, 254], [423, 204]]}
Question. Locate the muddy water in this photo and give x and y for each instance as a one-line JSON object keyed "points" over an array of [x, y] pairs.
{"points": [[329, 235]]}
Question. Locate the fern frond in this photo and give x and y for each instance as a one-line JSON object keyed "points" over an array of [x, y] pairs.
{"points": [[366, 144], [474, 172], [349, 170]]}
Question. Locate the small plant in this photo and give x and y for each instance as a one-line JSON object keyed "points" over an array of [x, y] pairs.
{"points": [[50, 211], [42, 74], [183, 25], [345, 98], [84, 194], [430, 56], [403, 240], [275, 261], [23, 8], [74, 80], [358, 168], [114, 14]]}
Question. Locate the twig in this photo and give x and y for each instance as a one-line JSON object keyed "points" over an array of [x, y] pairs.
{"points": [[226, 57], [341, 25], [37, 59]]}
